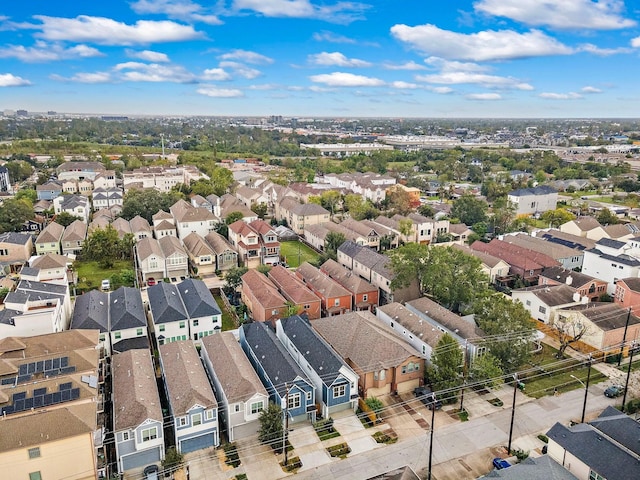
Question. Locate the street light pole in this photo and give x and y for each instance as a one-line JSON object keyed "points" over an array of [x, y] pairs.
{"points": [[286, 426], [513, 411], [624, 336], [586, 391], [626, 383], [433, 419]]}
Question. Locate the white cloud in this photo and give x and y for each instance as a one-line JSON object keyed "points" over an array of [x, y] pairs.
{"points": [[184, 10], [154, 72], [590, 89], [458, 78], [216, 75], [89, 77], [10, 80], [603, 52], [635, 42], [560, 96], [241, 69], [105, 31], [486, 45], [484, 96], [441, 90], [247, 57], [47, 52], [265, 87], [341, 79], [404, 85], [340, 12], [410, 65], [336, 59], [148, 55], [318, 89], [453, 66], [560, 14], [332, 38], [213, 91]]}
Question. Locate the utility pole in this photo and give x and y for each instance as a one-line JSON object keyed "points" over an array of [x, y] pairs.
{"points": [[464, 376], [626, 383], [433, 420], [286, 425], [586, 391], [513, 411], [624, 336]]}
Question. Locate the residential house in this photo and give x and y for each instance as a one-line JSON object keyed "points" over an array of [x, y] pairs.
{"points": [[107, 197], [127, 320], [587, 227], [427, 229], [49, 240], [137, 412], [575, 242], [622, 231], [34, 225], [250, 196], [106, 179], [49, 190], [335, 298], [533, 200], [269, 244], [420, 334], [607, 325], [164, 225], [140, 228], [460, 233], [463, 329], [151, 259], [299, 215], [606, 447], [543, 301], [384, 362], [246, 241], [296, 293], [79, 170], [176, 258], [364, 294], [192, 404], [42, 206], [122, 227], [189, 219], [51, 268], [51, 407], [412, 194], [201, 256], [585, 285], [76, 205], [285, 382], [389, 238], [15, 250], [569, 258], [198, 201], [334, 381], [183, 311], [610, 260], [225, 256], [238, 389], [369, 233], [406, 234], [228, 204], [627, 294], [262, 298], [493, 267], [73, 237], [316, 235]]}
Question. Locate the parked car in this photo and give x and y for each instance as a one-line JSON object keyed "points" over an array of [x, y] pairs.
{"points": [[614, 391], [426, 397], [151, 282], [500, 463], [151, 472], [106, 285]]}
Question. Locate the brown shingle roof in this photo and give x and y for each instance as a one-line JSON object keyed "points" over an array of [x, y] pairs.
{"points": [[345, 277], [196, 245], [290, 286], [149, 246], [75, 232], [218, 243], [50, 260], [413, 323], [52, 233], [320, 282], [263, 289], [606, 316], [633, 283], [446, 318]]}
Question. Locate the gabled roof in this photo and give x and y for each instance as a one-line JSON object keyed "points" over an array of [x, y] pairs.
{"points": [[486, 258], [126, 309], [585, 224], [51, 234], [15, 238], [262, 289], [139, 224], [149, 246], [349, 248], [121, 226], [321, 282], [449, 320], [164, 225], [196, 245], [540, 190], [186, 381], [632, 283], [232, 368], [276, 362], [364, 340], [290, 286], [303, 209], [551, 295], [91, 311], [218, 243], [166, 304], [562, 275], [170, 246], [412, 322], [135, 391], [161, 215], [345, 277], [197, 299], [322, 358], [606, 316], [76, 231], [50, 260]]}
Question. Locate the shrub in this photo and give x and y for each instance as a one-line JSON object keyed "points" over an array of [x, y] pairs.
{"points": [[633, 405], [231, 454], [292, 465], [543, 438], [325, 430], [341, 450]]}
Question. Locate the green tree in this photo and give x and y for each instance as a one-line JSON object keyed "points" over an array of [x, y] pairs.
{"points": [[399, 201], [102, 246], [172, 458], [469, 210], [233, 278], [445, 371], [486, 370], [221, 180], [233, 217], [146, 203], [14, 213], [405, 226], [332, 242], [27, 193], [260, 209], [19, 170], [607, 217], [359, 207], [557, 217], [510, 328], [503, 215], [264, 268], [426, 210], [202, 187], [271, 428], [65, 219]]}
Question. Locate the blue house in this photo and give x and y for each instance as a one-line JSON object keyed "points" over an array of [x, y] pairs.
{"points": [[192, 404], [286, 383], [335, 382]]}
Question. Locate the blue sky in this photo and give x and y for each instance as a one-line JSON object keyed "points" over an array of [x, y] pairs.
{"points": [[375, 58]]}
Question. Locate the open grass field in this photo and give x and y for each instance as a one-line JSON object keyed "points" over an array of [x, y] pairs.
{"points": [[296, 253], [90, 275]]}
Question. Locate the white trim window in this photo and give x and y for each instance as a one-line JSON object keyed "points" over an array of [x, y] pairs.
{"points": [[209, 415], [149, 434], [182, 421], [294, 401], [257, 407], [339, 391], [196, 419]]}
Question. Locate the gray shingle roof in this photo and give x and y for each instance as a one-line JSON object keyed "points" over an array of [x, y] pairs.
{"points": [[166, 304], [197, 299], [91, 311], [452, 322], [126, 309], [15, 238]]}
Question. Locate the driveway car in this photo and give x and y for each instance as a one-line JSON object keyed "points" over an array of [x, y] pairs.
{"points": [[106, 285], [500, 463], [151, 281], [614, 391], [151, 472], [425, 396]]}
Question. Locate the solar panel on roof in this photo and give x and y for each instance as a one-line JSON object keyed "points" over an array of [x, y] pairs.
{"points": [[39, 391], [18, 406], [65, 386], [40, 366], [67, 370], [8, 381], [56, 363], [56, 397], [48, 399], [23, 369], [19, 396], [66, 395], [48, 364], [8, 409], [24, 378], [64, 361], [38, 401], [75, 393], [31, 368], [28, 403]]}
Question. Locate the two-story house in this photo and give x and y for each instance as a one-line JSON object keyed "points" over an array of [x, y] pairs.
{"points": [[73, 237], [49, 240], [150, 259], [627, 294], [192, 404], [238, 389], [15, 250], [225, 256], [175, 258], [76, 205], [335, 298], [246, 241], [164, 224], [610, 260], [299, 215], [140, 228], [262, 297], [533, 200], [364, 294], [294, 290], [269, 244], [585, 285], [189, 219], [201, 256]]}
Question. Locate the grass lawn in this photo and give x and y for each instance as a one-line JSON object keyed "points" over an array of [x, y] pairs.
{"points": [[228, 323], [90, 275], [552, 375], [289, 251]]}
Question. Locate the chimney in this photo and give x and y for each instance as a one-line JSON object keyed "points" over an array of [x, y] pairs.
{"points": [[576, 297], [569, 280]]}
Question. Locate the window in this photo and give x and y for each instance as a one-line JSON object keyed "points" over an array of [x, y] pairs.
{"points": [[411, 367], [256, 407], [139, 332], [182, 421], [118, 335], [182, 324], [35, 476], [309, 396], [336, 302], [209, 415], [102, 337], [161, 328], [339, 391], [196, 419], [595, 476], [294, 401], [195, 322], [34, 452], [236, 407], [149, 434], [365, 297], [542, 309], [274, 312], [4, 252]]}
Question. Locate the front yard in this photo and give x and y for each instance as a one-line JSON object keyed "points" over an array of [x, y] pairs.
{"points": [[295, 253], [90, 275]]}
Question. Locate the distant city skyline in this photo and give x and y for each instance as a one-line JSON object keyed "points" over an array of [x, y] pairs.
{"points": [[480, 58]]}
